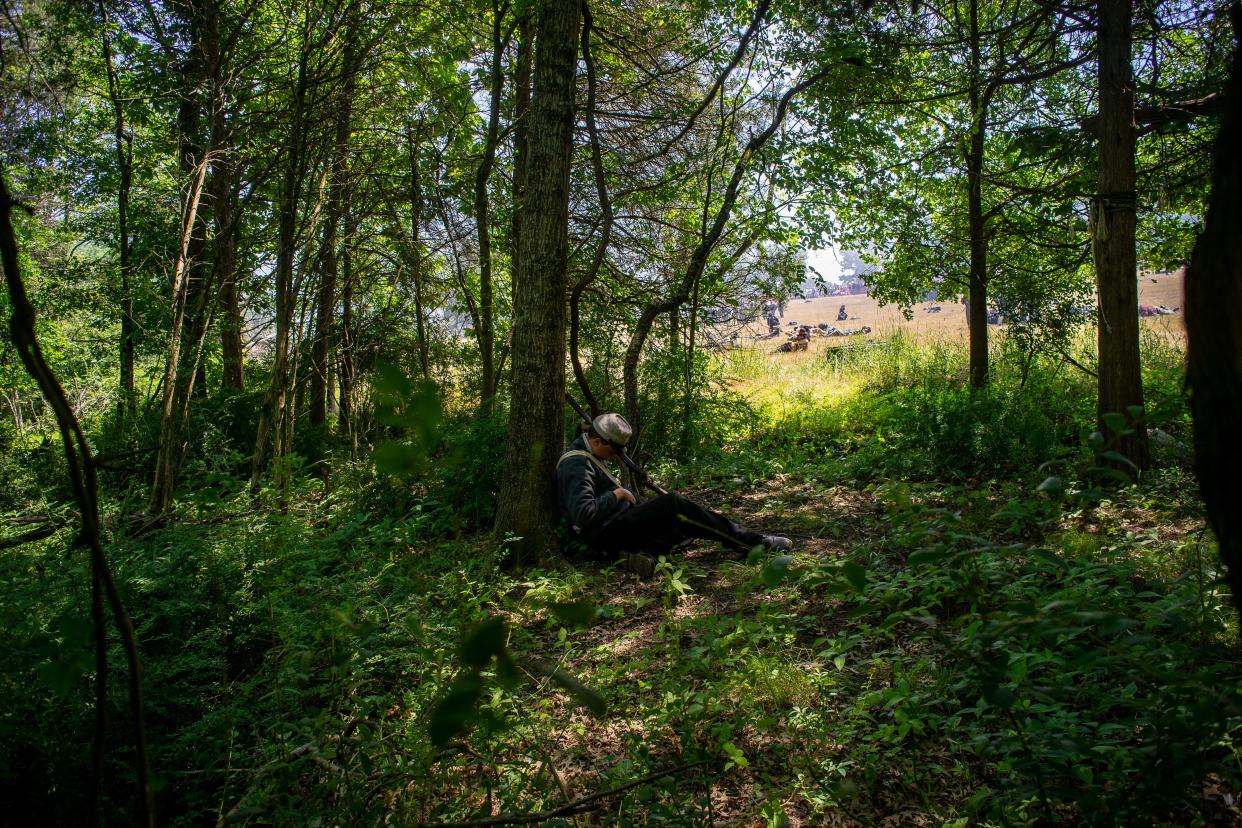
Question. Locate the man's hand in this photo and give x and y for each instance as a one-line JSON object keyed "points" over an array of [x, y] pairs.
{"points": [[624, 496]]}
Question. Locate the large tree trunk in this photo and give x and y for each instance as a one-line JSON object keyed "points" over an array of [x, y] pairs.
{"points": [[325, 303], [527, 507], [1214, 337], [1120, 374]]}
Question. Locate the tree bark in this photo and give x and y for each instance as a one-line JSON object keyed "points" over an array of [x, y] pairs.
{"points": [[223, 192], [81, 468], [605, 224], [1214, 338], [978, 277], [125, 170], [325, 302], [486, 333], [274, 400], [1113, 221], [521, 111], [226, 182], [227, 226], [416, 253], [168, 442], [345, 411], [527, 507]]}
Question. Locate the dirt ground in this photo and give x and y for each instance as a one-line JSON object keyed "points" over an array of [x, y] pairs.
{"points": [[950, 321]]}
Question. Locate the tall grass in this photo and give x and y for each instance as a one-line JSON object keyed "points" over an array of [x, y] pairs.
{"points": [[897, 405]]}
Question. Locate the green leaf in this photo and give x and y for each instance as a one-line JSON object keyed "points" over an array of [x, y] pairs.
{"points": [[856, 575], [926, 556], [507, 672], [393, 457], [391, 380], [1051, 486], [1046, 555], [775, 570], [454, 712], [1118, 457], [736, 757], [577, 613], [1135, 411], [487, 639], [1001, 696], [1096, 440], [1114, 422], [584, 695]]}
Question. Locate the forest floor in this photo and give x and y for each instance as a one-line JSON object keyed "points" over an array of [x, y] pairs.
{"points": [[812, 703], [979, 624]]}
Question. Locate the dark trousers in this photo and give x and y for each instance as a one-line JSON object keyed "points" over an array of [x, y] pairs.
{"points": [[660, 524]]}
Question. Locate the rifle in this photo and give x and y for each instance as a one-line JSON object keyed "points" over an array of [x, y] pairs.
{"points": [[639, 474]]}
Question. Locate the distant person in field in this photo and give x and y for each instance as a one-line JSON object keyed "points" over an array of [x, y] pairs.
{"points": [[828, 330], [842, 315], [799, 342], [774, 324], [609, 521]]}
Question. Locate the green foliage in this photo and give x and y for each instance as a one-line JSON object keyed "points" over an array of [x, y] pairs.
{"points": [[1063, 670]]}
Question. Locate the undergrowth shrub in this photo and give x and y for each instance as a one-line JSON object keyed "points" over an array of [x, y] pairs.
{"points": [[911, 413], [1098, 690], [465, 475]]}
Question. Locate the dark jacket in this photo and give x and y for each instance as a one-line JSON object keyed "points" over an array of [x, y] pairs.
{"points": [[585, 490]]}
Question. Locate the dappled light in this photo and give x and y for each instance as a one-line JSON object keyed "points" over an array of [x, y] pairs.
{"points": [[634, 413]]}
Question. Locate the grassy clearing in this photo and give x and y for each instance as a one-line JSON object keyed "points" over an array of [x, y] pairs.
{"points": [[947, 646]]}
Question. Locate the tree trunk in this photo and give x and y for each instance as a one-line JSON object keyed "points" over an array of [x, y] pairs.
{"points": [[605, 224], [168, 442], [698, 258], [978, 279], [1113, 220], [527, 507], [1214, 338], [486, 333], [345, 410], [274, 400], [325, 303], [193, 153], [521, 112], [416, 254], [227, 227], [125, 168], [225, 182]]}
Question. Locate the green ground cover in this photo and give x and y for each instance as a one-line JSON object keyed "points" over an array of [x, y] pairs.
{"points": [[980, 625]]}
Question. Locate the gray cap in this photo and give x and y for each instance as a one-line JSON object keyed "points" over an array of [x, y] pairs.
{"points": [[613, 428]]}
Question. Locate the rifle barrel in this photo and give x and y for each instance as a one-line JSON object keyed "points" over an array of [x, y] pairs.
{"points": [[641, 475]]}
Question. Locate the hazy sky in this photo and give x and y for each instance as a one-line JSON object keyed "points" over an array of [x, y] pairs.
{"points": [[825, 262]]}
